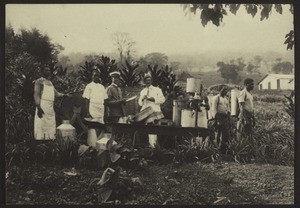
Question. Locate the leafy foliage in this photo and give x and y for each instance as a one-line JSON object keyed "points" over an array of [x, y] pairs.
{"points": [[289, 104], [230, 71], [215, 12], [106, 65], [284, 67], [27, 55], [129, 75]]}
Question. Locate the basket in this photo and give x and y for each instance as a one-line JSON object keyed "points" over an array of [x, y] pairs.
{"points": [[143, 114]]}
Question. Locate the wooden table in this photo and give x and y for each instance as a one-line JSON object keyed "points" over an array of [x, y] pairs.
{"points": [[118, 128]]}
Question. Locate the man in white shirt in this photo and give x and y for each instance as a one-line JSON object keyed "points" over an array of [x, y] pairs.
{"points": [[95, 95], [221, 111], [246, 120], [152, 97]]}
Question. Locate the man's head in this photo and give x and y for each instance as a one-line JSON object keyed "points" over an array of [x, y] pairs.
{"points": [[223, 91], [249, 84], [115, 78], [147, 80], [46, 73], [96, 76]]}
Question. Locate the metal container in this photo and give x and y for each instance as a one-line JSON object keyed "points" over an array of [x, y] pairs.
{"points": [[193, 85], [234, 101], [177, 107], [92, 137], [66, 130], [188, 118]]}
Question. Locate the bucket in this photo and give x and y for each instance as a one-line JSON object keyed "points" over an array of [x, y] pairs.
{"points": [[101, 143], [234, 101], [202, 118], [188, 118], [92, 137], [66, 130], [210, 102], [193, 85]]}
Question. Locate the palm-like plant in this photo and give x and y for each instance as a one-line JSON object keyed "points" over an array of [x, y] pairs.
{"points": [[85, 74], [157, 78], [106, 65], [129, 75]]}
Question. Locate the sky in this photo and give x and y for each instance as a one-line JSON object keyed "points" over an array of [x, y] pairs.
{"points": [[154, 27]]}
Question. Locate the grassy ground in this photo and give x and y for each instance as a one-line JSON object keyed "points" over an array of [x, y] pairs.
{"points": [[195, 183]]}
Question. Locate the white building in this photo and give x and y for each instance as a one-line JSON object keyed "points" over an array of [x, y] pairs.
{"points": [[277, 82]]}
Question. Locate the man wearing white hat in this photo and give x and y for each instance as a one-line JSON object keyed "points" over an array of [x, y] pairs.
{"points": [[152, 97], [115, 102]]}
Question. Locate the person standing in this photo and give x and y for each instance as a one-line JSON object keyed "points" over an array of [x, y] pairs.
{"points": [[246, 120], [95, 95], [115, 102], [44, 95], [221, 113], [152, 97]]}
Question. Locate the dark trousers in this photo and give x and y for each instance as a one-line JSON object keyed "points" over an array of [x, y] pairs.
{"points": [[223, 130]]}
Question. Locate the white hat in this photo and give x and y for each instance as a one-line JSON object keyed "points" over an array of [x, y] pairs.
{"points": [[114, 73]]}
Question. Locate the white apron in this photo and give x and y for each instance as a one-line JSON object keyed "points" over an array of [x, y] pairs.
{"points": [[97, 112], [44, 128]]}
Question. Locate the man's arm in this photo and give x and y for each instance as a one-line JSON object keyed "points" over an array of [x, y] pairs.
{"points": [[111, 100]]}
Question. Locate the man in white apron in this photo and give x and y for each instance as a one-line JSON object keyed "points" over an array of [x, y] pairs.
{"points": [[153, 97], [44, 120], [95, 94]]}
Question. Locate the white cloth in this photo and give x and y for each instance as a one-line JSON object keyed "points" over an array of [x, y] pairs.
{"points": [[154, 92], [247, 98], [45, 127], [96, 93], [220, 105]]}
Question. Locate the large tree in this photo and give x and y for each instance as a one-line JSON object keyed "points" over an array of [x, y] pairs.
{"points": [[216, 12], [282, 67], [125, 46], [230, 71]]}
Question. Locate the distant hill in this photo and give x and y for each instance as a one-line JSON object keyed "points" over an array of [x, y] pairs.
{"points": [[214, 77]]}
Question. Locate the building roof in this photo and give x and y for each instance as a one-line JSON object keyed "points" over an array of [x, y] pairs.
{"points": [[278, 76]]}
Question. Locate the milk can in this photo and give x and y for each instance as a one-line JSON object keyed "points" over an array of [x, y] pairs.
{"points": [[66, 130], [177, 107], [234, 101]]}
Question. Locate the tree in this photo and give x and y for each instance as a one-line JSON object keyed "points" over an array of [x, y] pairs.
{"points": [[284, 67], [216, 12], [125, 46], [254, 65], [153, 59], [230, 71]]}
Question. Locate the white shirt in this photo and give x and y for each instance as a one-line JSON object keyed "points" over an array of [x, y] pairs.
{"points": [[154, 92], [248, 101], [220, 105], [95, 92]]}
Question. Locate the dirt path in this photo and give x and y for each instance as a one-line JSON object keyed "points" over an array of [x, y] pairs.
{"points": [[196, 183]]}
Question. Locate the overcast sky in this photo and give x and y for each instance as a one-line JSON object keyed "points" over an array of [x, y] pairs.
{"points": [[154, 27]]}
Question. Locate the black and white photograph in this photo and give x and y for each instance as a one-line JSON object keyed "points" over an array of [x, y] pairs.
{"points": [[149, 104]]}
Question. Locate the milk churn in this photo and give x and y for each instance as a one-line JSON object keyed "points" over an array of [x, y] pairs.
{"points": [[193, 85], [234, 101], [66, 130], [177, 107]]}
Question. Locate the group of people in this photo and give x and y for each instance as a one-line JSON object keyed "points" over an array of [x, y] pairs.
{"points": [[221, 114], [107, 105], [102, 105]]}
